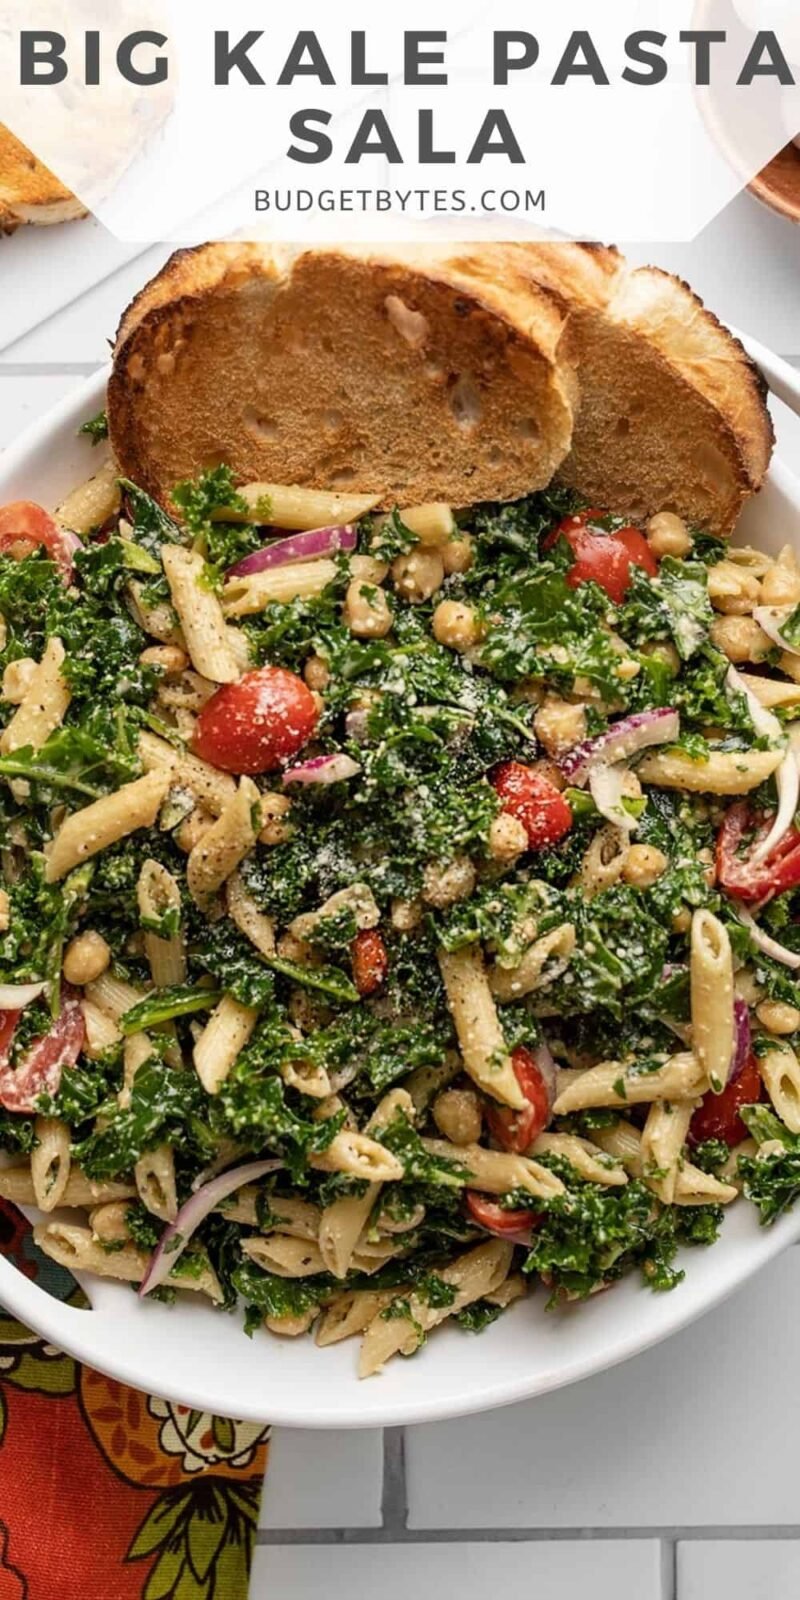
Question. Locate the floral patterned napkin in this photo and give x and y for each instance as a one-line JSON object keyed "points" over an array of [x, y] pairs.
{"points": [[106, 1493]]}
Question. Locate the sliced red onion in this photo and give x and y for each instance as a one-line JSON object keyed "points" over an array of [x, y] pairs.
{"points": [[323, 769], [298, 547], [549, 1075], [787, 777], [605, 787], [175, 1238], [15, 996], [742, 1038], [762, 940], [623, 739], [771, 619]]}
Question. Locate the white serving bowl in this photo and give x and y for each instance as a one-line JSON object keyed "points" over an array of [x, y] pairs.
{"points": [[193, 1354]]}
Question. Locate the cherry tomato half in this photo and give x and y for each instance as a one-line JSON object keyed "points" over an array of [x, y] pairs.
{"points": [[39, 1071], [606, 558], [256, 724], [370, 961], [535, 802], [516, 1226], [23, 522], [738, 837], [516, 1130], [717, 1117]]}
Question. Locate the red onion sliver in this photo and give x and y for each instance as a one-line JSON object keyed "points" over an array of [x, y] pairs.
{"points": [[623, 739], [323, 769], [15, 996], [175, 1238], [298, 547], [549, 1075], [741, 1038], [762, 940]]}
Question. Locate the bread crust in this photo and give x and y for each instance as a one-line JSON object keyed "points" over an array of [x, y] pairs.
{"points": [[29, 191], [673, 412], [411, 373]]}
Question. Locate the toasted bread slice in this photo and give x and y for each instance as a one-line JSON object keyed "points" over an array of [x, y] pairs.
{"points": [[412, 374], [29, 192], [672, 413]]}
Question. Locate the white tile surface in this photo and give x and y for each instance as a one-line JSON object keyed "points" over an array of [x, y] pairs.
{"points": [[623, 1570], [323, 1480], [746, 266], [654, 1443], [24, 397], [43, 269], [739, 1570], [82, 330]]}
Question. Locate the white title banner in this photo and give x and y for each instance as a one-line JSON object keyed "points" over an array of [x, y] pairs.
{"points": [[628, 119]]}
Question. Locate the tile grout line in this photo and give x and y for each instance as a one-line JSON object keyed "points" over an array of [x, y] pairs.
{"points": [[669, 1569], [394, 1503], [669, 1538]]}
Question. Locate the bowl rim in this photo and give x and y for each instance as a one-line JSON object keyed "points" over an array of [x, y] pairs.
{"points": [[82, 1334]]}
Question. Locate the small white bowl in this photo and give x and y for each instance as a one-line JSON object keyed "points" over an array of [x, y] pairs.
{"points": [[192, 1354]]}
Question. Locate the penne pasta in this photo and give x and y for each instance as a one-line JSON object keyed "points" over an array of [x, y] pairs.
{"points": [[360, 1156], [610, 1084], [296, 508], [158, 894], [712, 998], [663, 1139], [246, 596], [200, 615], [589, 1160], [16, 1185], [285, 1256], [50, 1162], [542, 963], [480, 1036], [78, 1250], [495, 1172], [217, 854], [105, 822], [214, 789], [254, 924], [472, 1276], [43, 705], [780, 1075], [93, 502], [226, 1033], [723, 772]]}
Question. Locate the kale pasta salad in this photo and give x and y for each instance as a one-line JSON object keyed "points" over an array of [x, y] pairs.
{"points": [[400, 910]]}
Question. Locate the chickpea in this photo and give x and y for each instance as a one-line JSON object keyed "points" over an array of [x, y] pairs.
{"points": [[551, 771], [192, 829], [319, 702], [668, 535], [732, 590], [457, 1114], [682, 920], [746, 986], [316, 673], [109, 1222], [274, 812], [458, 554], [290, 948], [706, 859], [456, 626], [86, 957], [367, 612], [780, 586], [507, 839], [5, 911], [17, 679], [778, 1017], [740, 639], [418, 574], [643, 866], [559, 725], [368, 569], [443, 886], [406, 915], [169, 657], [665, 653]]}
